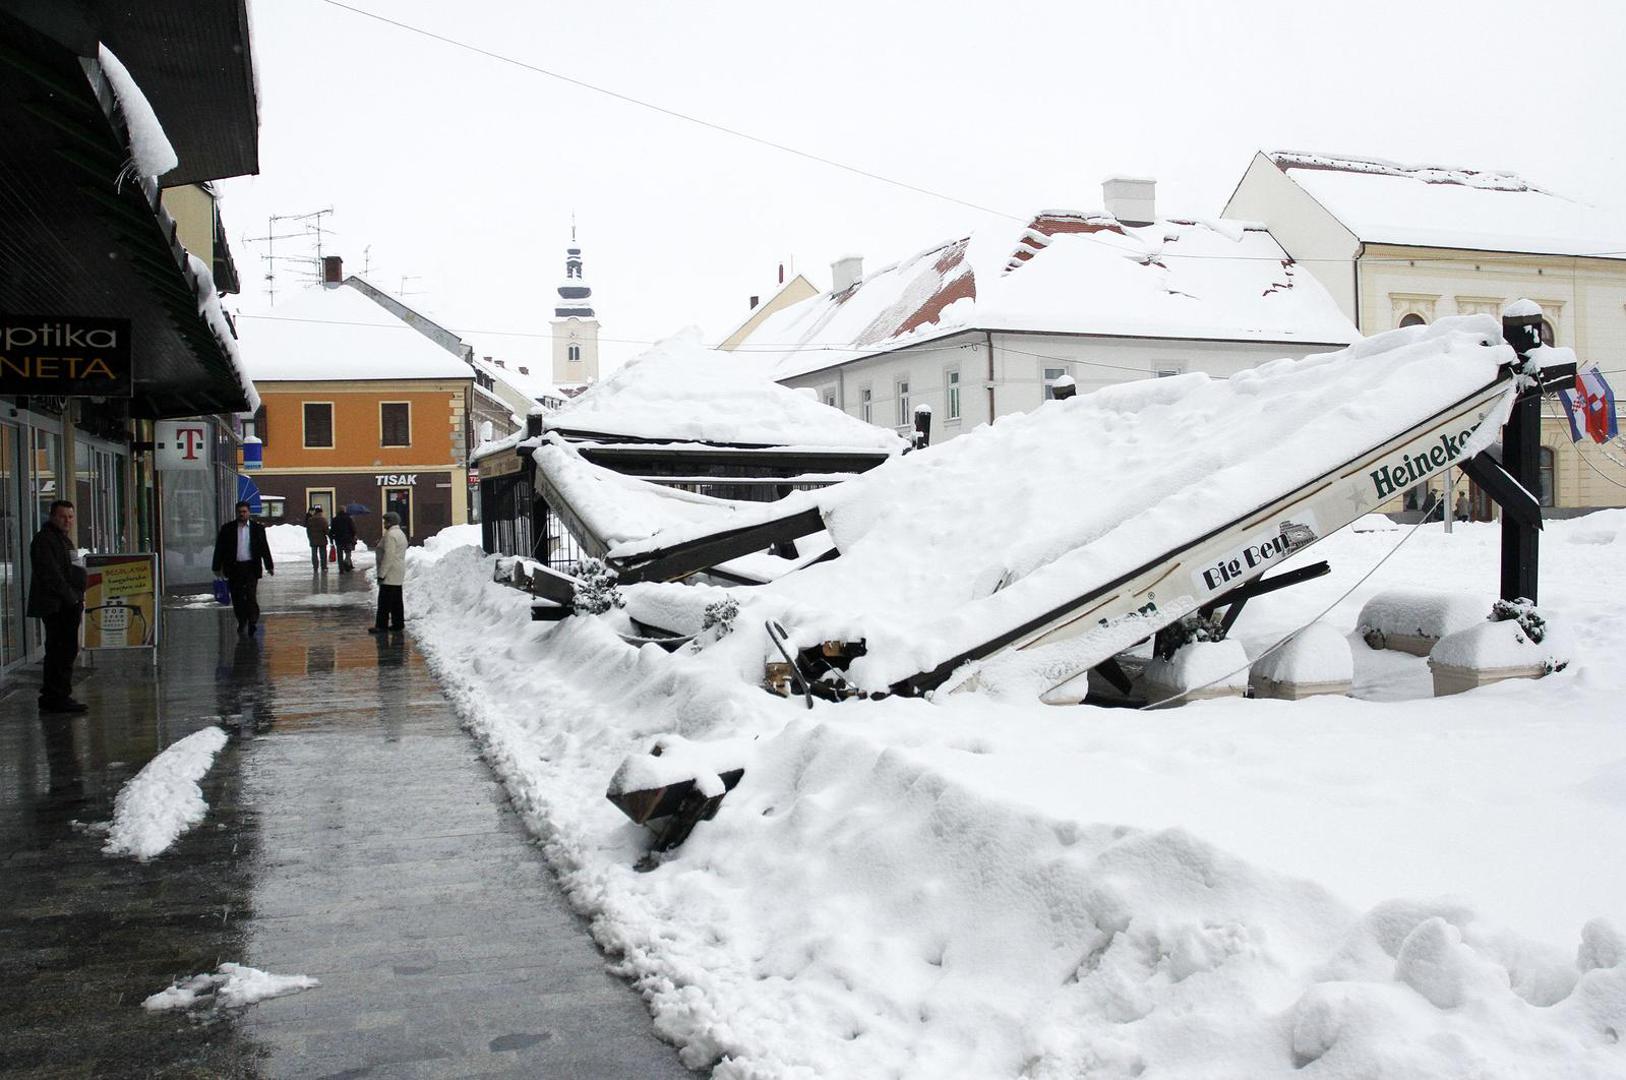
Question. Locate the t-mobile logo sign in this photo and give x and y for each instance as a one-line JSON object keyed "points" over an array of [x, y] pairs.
{"points": [[181, 444]]}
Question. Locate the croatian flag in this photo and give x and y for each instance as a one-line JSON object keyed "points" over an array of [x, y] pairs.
{"points": [[1590, 407]]}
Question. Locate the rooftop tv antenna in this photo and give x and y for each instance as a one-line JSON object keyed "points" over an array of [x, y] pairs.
{"points": [[270, 258]]}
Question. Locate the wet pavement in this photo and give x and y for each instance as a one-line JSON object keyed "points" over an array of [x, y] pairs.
{"points": [[353, 835]]}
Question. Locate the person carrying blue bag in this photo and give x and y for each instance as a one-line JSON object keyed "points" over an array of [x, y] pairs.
{"points": [[240, 550]]}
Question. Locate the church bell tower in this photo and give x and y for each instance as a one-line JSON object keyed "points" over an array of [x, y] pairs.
{"points": [[575, 327]]}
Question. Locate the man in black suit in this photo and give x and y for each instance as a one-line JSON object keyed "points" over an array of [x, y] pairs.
{"points": [[240, 549]]}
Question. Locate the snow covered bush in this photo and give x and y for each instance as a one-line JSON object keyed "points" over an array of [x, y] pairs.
{"points": [[1523, 612], [596, 591]]}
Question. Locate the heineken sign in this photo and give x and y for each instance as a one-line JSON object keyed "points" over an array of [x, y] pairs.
{"points": [[65, 355], [1393, 477]]}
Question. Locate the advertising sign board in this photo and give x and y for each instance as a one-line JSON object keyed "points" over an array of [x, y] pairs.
{"points": [[121, 601]]}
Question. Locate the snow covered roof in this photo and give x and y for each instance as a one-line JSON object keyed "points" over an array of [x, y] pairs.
{"points": [[339, 333], [1434, 206], [525, 382], [1070, 273], [681, 391]]}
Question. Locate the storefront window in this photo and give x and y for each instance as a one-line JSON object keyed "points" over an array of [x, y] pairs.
{"points": [[47, 450], [12, 545]]}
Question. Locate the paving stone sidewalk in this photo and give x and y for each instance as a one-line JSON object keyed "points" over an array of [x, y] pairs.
{"points": [[353, 835]]}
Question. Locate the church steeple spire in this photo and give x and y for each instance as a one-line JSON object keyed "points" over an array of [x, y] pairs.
{"points": [[575, 296]]}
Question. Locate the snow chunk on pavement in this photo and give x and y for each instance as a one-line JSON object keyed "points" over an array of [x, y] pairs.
{"points": [[231, 986], [163, 800]]}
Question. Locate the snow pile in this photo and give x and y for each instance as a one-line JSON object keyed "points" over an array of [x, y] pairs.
{"points": [[681, 391], [288, 539], [451, 538], [1211, 666], [163, 800], [150, 147], [1410, 615], [950, 546], [1316, 654], [231, 986], [972, 888]]}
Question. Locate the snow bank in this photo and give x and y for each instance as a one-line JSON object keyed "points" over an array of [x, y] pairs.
{"points": [[288, 539], [231, 986], [451, 538], [163, 800], [971, 888]]}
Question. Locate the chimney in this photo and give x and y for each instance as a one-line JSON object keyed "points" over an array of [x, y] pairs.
{"points": [[846, 272], [1130, 199], [524, 370], [332, 271], [755, 300]]}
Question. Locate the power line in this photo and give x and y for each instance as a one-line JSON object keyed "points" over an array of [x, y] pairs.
{"points": [[884, 179]]}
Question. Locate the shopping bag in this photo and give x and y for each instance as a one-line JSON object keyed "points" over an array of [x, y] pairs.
{"points": [[222, 591], [333, 553]]}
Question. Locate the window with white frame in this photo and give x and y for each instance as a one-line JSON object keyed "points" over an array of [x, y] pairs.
{"points": [[904, 416], [951, 394], [318, 425], [866, 405], [1051, 374]]}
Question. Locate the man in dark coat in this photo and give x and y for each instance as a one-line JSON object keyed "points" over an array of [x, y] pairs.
{"points": [[56, 596], [316, 531], [342, 530], [240, 550]]}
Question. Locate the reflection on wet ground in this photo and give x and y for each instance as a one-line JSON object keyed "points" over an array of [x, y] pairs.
{"points": [[353, 835]]}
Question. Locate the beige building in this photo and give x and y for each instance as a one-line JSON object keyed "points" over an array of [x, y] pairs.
{"points": [[1404, 245]]}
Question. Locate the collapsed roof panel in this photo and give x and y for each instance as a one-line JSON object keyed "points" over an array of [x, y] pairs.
{"points": [[680, 391]]}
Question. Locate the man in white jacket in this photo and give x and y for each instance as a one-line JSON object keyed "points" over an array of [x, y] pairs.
{"points": [[391, 574]]}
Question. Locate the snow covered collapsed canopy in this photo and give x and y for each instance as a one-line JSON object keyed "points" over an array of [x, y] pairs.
{"points": [[1064, 273], [949, 547], [680, 391]]}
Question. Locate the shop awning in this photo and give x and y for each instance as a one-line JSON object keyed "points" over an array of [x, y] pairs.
{"points": [[83, 238], [248, 491]]}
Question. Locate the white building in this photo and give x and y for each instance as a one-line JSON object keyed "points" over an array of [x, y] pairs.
{"points": [[986, 324], [1400, 245]]}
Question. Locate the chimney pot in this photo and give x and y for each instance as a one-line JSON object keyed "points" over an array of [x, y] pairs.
{"points": [[1130, 199], [332, 271], [846, 272], [524, 370], [755, 300]]}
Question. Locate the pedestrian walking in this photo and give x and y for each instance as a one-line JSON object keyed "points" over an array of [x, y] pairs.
{"points": [[240, 550], [317, 531], [391, 576], [56, 597], [342, 529], [1462, 507]]}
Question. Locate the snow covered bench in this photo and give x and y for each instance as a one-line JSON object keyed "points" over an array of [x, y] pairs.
{"points": [[669, 793], [1513, 643]]}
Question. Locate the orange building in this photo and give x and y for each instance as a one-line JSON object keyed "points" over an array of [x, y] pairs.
{"points": [[358, 408]]}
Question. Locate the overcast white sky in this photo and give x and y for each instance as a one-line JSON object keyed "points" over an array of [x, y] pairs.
{"points": [[461, 172]]}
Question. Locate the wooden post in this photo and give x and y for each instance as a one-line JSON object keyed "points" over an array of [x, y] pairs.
{"points": [[1521, 457]]}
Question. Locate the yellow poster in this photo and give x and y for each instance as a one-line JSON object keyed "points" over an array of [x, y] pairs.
{"points": [[121, 603]]}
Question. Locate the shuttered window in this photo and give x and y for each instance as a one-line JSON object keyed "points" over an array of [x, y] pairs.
{"points": [[395, 423], [319, 424]]}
